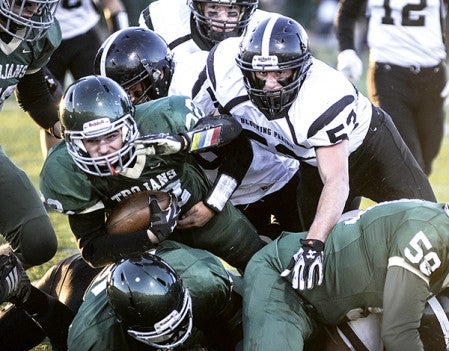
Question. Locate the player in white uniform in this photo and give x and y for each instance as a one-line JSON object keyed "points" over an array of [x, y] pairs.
{"points": [[188, 29], [406, 75], [267, 187], [292, 103]]}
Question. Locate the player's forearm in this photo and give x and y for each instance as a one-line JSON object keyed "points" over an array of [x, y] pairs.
{"points": [[348, 13], [405, 295], [330, 207]]}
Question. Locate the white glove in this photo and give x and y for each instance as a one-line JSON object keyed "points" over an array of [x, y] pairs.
{"points": [[160, 144], [350, 64], [445, 94], [306, 265]]}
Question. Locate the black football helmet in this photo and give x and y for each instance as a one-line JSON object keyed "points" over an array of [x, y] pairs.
{"points": [[15, 18], [278, 43], [150, 301], [95, 106], [137, 55], [204, 24]]}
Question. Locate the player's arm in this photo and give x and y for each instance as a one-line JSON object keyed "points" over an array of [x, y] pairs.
{"points": [[99, 248], [333, 168], [115, 14], [404, 299], [348, 13], [306, 265], [34, 96], [208, 133], [348, 61]]}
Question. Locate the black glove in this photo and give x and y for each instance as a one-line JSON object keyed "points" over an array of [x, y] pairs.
{"points": [[163, 222], [160, 144], [307, 265]]}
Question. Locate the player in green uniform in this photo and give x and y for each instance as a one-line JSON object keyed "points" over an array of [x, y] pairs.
{"points": [[28, 36], [98, 165], [152, 293], [393, 256], [214, 306]]}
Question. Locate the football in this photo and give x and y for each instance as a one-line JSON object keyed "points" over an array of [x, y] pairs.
{"points": [[133, 213]]}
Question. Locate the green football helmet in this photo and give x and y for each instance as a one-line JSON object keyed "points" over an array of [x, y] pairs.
{"points": [[150, 302], [27, 19], [93, 107]]}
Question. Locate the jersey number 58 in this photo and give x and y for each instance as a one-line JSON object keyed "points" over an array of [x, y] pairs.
{"points": [[414, 252]]}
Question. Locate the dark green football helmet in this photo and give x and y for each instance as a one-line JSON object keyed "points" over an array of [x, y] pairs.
{"points": [[93, 107], [150, 301]]}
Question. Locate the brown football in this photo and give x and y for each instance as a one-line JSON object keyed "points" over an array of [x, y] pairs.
{"points": [[133, 213]]}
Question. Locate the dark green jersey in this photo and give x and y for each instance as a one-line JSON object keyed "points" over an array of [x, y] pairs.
{"points": [[70, 190], [20, 57], [392, 257], [95, 326]]}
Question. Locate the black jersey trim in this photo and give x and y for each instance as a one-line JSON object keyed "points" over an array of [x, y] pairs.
{"points": [[329, 115]]}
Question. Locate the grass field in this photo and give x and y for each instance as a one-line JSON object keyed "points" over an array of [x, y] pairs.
{"points": [[19, 136]]}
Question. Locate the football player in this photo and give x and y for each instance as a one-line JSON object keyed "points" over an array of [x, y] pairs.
{"points": [[180, 297], [196, 25], [105, 158], [28, 36], [391, 258], [407, 72], [141, 62], [292, 103]]}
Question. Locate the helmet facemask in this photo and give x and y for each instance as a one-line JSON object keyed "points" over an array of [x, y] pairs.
{"points": [[170, 332], [154, 81], [207, 27], [17, 18], [107, 165]]}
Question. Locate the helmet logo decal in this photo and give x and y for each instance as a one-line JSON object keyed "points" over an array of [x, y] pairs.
{"points": [[265, 62], [97, 125]]}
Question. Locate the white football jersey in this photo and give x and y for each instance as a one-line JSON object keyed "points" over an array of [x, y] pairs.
{"points": [[268, 172], [76, 17], [327, 110], [406, 33]]}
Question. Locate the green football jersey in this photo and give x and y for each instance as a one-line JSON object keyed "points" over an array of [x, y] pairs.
{"points": [[68, 189], [390, 258], [20, 57], [95, 326]]}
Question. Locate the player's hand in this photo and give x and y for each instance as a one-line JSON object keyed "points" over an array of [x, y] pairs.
{"points": [[306, 265], [197, 216], [350, 64], [445, 94], [160, 144], [163, 222]]}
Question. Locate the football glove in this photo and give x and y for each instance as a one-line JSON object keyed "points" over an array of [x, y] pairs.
{"points": [[160, 144], [445, 94], [163, 222], [350, 64], [306, 265]]}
